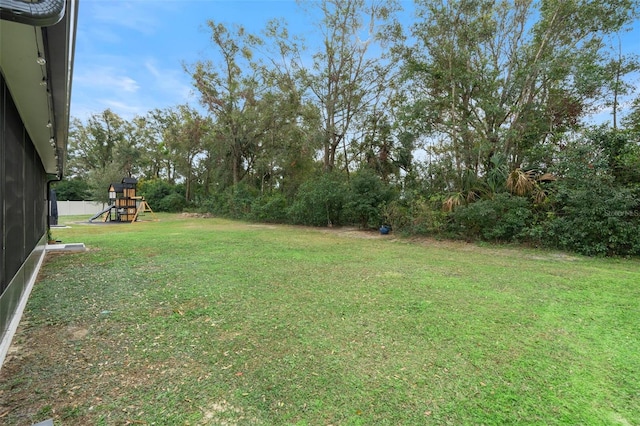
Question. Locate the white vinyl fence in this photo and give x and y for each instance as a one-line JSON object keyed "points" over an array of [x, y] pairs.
{"points": [[72, 208]]}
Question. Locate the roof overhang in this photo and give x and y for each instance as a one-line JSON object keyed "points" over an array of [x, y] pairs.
{"points": [[37, 64]]}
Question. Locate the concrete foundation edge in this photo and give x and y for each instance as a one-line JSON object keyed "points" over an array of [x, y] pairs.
{"points": [[22, 284]]}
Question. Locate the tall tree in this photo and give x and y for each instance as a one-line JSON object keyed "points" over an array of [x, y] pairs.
{"points": [[148, 133], [501, 77], [101, 151], [162, 127], [92, 144], [229, 89], [348, 76], [286, 147], [186, 141], [616, 87], [261, 126]]}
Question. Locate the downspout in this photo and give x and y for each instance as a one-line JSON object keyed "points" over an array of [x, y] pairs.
{"points": [[50, 180], [38, 13]]}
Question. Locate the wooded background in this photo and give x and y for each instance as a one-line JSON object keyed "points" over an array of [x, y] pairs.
{"points": [[473, 122]]}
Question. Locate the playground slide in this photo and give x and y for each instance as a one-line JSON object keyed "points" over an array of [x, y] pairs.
{"points": [[97, 215]]}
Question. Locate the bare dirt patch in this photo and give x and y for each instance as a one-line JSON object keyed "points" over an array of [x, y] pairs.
{"points": [[63, 372], [34, 348], [189, 215], [353, 232], [77, 333], [224, 414]]}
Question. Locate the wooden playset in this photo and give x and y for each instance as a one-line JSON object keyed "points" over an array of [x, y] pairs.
{"points": [[124, 204]]}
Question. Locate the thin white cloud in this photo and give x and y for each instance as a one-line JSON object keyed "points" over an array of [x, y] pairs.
{"points": [[128, 88], [173, 82], [106, 78], [124, 109], [127, 84], [135, 15], [104, 34], [97, 87], [81, 111], [86, 106], [150, 65]]}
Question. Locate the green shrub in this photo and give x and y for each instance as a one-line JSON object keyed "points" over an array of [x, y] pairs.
{"points": [[594, 210], [270, 208], [172, 203], [154, 191], [415, 215], [366, 196], [596, 221], [72, 190], [396, 214], [504, 218], [234, 202], [239, 199], [215, 204], [320, 200]]}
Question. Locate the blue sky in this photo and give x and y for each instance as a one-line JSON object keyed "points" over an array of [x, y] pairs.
{"points": [[129, 53]]}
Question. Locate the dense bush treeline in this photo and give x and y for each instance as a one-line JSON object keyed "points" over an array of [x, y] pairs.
{"points": [[468, 122]]}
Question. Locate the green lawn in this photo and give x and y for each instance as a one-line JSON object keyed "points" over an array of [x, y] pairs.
{"points": [[207, 321]]}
